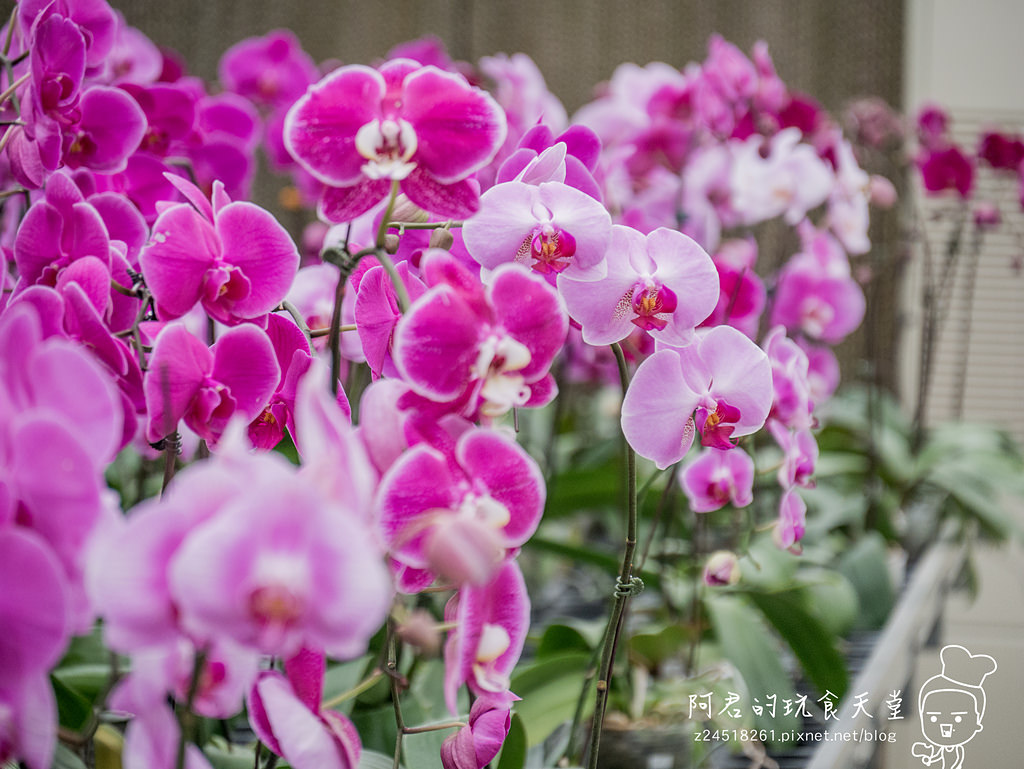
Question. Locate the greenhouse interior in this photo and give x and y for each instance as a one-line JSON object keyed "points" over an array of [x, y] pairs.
{"points": [[632, 385]]}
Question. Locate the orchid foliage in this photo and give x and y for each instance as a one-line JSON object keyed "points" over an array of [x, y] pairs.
{"points": [[267, 476]]}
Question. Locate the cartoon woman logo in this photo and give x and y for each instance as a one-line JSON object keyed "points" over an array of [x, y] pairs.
{"points": [[952, 704]]}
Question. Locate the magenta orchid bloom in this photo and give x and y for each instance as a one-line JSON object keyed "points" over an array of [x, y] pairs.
{"points": [[792, 404], [742, 296], [491, 622], [792, 522], [286, 715], [359, 130], [234, 257], [663, 283], [486, 351], [377, 312], [550, 226], [799, 455], [58, 230], [582, 149], [293, 358], [721, 386], [276, 567], [34, 618], [815, 294], [716, 478], [204, 386], [476, 744], [272, 71], [458, 513]]}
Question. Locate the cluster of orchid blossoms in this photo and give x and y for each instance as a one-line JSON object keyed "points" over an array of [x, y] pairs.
{"points": [[479, 244]]}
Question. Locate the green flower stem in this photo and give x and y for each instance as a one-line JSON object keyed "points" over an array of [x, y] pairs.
{"points": [[187, 718], [382, 231], [14, 87], [433, 727], [292, 310], [423, 225], [396, 689], [626, 585], [400, 291], [364, 685]]}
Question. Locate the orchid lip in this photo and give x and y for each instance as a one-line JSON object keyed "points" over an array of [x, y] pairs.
{"points": [[388, 145]]}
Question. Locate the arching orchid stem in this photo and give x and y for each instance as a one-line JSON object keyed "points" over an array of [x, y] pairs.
{"points": [[316, 333], [334, 334], [187, 718], [10, 31], [172, 445], [7, 136], [382, 231], [400, 291], [423, 225], [122, 289], [365, 685], [292, 310], [433, 727], [14, 87], [625, 586], [396, 689]]}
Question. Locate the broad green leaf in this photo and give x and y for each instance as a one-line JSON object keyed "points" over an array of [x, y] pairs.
{"points": [[812, 644], [86, 680], [65, 758], [73, 710], [559, 639], [651, 649], [371, 759], [342, 677], [829, 596], [238, 757], [550, 690], [746, 642], [866, 566], [513, 751]]}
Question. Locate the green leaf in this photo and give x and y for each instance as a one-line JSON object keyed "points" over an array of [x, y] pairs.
{"points": [[830, 598], [744, 641], [238, 757], [86, 680], [513, 752], [812, 644], [371, 759], [559, 639], [866, 566], [73, 710], [651, 649], [550, 690], [65, 758]]}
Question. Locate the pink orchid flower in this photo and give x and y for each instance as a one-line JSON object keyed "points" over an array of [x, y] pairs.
{"points": [[33, 615], [792, 522], [742, 296], [207, 386], [716, 478], [285, 713], [720, 385], [281, 566], [663, 283], [475, 745], [792, 404], [234, 257], [549, 226], [360, 129], [458, 513], [491, 625], [483, 350]]}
